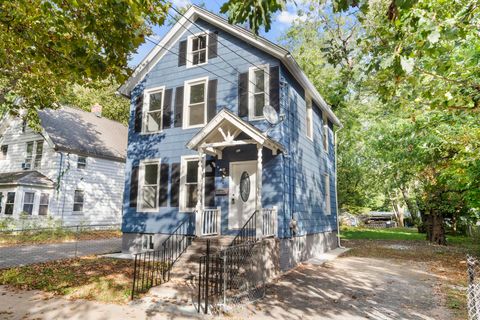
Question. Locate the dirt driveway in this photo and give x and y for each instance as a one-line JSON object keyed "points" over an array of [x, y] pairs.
{"points": [[351, 288]]}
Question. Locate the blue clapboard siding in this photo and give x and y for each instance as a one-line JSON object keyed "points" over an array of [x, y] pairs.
{"points": [[293, 182]]}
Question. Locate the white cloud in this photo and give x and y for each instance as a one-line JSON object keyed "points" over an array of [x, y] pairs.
{"points": [[288, 17], [181, 3]]}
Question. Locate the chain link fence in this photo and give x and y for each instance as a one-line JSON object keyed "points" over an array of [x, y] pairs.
{"points": [[26, 246], [473, 289]]}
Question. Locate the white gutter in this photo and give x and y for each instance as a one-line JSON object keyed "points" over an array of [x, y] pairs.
{"points": [[336, 188]]}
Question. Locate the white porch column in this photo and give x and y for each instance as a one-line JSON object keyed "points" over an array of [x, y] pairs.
{"points": [[258, 205], [200, 175]]}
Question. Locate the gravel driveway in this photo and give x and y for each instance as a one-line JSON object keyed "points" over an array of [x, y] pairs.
{"points": [[24, 255]]}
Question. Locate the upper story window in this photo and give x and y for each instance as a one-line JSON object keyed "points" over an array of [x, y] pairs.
{"points": [[188, 183], [3, 152], [10, 203], [325, 132], [197, 50], [309, 117], [258, 91], [33, 156], [81, 162], [153, 110], [149, 184], [78, 200], [195, 112]]}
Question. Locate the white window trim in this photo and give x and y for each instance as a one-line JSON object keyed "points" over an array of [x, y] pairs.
{"points": [[251, 89], [309, 115], [141, 179], [4, 202], [189, 50], [328, 204], [326, 132], [83, 202], [183, 179], [186, 100], [48, 204], [150, 239], [33, 203], [78, 157], [146, 108]]}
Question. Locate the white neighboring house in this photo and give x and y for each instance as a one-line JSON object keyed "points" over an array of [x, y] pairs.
{"points": [[73, 170]]}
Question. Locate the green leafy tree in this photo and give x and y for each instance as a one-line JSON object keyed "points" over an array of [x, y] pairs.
{"points": [[46, 46]]}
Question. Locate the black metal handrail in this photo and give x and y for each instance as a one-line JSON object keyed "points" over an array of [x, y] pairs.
{"points": [[152, 268], [217, 271]]}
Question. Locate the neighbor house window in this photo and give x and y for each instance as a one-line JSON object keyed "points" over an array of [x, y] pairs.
{"points": [[189, 183], [33, 156], [325, 132], [309, 118], [28, 200], [81, 162], [43, 207], [328, 206], [147, 242], [258, 91], [153, 106], [3, 152], [150, 181], [197, 50], [10, 203], [78, 200], [195, 103]]}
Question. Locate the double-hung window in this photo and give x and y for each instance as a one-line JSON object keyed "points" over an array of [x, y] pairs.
{"points": [[33, 156], [28, 201], [309, 118], [78, 200], [150, 182], [9, 204], [81, 162], [43, 207], [328, 206], [188, 183], [325, 132], [197, 50], [153, 110], [258, 87], [195, 103]]}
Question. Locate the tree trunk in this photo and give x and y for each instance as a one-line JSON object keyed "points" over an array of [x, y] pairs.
{"points": [[435, 228]]}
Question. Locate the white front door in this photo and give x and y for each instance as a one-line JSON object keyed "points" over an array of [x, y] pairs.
{"points": [[242, 194]]}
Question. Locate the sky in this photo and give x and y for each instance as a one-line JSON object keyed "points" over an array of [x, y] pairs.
{"points": [[280, 24]]}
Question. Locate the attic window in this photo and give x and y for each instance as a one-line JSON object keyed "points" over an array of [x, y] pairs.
{"points": [[197, 50], [81, 162]]}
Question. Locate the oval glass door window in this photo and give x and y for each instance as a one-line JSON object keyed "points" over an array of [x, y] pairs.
{"points": [[244, 186]]}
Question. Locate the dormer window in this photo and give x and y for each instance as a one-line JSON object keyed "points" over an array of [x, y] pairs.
{"points": [[197, 50], [258, 88]]}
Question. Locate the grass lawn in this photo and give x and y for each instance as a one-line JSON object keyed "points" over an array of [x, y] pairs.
{"points": [[447, 262], [8, 239], [91, 278]]}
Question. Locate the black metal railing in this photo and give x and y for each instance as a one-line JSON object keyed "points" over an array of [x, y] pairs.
{"points": [[152, 268], [217, 271]]}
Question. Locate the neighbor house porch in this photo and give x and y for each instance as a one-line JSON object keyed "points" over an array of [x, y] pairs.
{"points": [[237, 152]]}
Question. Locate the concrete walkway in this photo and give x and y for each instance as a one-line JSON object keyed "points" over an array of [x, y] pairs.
{"points": [[24, 255]]}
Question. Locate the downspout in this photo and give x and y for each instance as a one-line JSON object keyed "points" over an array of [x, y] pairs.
{"points": [[336, 188]]}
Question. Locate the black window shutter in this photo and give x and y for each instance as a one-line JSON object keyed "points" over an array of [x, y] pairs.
{"points": [[163, 197], [175, 185], [275, 88], [179, 106], [212, 45], [182, 53], [167, 109], [243, 94], [209, 184], [138, 113], [134, 187], [212, 99]]}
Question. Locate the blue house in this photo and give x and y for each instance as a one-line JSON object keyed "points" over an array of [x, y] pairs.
{"points": [[224, 124]]}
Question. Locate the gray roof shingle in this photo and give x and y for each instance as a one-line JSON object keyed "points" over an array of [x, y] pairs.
{"points": [[85, 133], [30, 177]]}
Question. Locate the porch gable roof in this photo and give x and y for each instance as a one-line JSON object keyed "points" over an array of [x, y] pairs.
{"points": [[222, 130]]}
